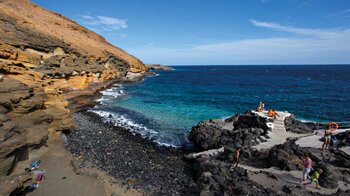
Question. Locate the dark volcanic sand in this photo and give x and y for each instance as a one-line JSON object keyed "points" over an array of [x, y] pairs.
{"points": [[137, 162]]}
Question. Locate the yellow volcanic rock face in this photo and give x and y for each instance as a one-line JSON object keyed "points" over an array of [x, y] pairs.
{"points": [[52, 25], [29, 58], [45, 58]]}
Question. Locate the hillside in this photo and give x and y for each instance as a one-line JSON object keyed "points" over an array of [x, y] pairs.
{"points": [[46, 58]]}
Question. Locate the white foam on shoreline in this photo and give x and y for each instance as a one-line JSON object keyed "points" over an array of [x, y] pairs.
{"points": [[121, 120], [113, 92], [110, 94], [134, 128]]}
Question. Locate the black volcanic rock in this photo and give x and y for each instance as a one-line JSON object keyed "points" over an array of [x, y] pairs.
{"points": [[286, 156], [216, 177], [250, 120], [296, 126], [246, 132], [138, 162], [205, 136]]}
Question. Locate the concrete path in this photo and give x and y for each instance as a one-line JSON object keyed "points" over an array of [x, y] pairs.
{"points": [[278, 134], [314, 141]]}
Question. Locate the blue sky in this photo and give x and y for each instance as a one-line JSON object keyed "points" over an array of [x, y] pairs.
{"points": [[218, 32]]}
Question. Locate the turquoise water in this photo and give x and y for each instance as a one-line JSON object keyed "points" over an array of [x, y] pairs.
{"points": [[166, 106]]}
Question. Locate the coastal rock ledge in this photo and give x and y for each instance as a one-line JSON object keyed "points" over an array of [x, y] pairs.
{"points": [[271, 159], [45, 60]]}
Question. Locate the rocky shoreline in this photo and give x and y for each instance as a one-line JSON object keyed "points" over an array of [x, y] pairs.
{"points": [[44, 67], [274, 170], [139, 163], [151, 169]]}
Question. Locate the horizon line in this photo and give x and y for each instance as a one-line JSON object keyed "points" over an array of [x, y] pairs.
{"points": [[252, 64]]}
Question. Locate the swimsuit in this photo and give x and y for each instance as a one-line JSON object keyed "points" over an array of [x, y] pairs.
{"points": [[328, 135]]}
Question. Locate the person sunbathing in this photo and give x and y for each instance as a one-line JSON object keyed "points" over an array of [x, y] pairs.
{"points": [[272, 113]]}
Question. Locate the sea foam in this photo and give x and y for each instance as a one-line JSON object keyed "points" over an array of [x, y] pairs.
{"points": [[123, 121]]}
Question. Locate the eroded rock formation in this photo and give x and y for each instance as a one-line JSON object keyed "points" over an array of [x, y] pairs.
{"points": [[46, 58]]}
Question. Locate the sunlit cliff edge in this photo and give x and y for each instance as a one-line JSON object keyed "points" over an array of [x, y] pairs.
{"points": [[44, 57]]}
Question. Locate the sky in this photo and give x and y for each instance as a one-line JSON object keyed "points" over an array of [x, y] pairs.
{"points": [[219, 32]]}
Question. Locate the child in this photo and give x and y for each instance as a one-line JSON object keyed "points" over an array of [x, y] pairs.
{"points": [[314, 178], [307, 167]]}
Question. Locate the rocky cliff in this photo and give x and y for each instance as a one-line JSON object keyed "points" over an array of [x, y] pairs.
{"points": [[44, 57]]}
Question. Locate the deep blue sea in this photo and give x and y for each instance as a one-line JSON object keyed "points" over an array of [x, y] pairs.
{"points": [[166, 106]]}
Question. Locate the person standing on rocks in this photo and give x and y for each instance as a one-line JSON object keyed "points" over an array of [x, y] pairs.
{"points": [[261, 107], [307, 167], [327, 137], [237, 156]]}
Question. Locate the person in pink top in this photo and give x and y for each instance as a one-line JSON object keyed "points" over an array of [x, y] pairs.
{"points": [[307, 167]]}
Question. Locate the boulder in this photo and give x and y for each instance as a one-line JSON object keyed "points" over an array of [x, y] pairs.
{"points": [[215, 177], [330, 177], [296, 126], [286, 156], [205, 136], [342, 159], [250, 120], [246, 132], [343, 138]]}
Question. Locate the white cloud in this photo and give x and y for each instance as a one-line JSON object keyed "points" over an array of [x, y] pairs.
{"points": [[304, 46], [319, 33], [342, 14], [103, 23]]}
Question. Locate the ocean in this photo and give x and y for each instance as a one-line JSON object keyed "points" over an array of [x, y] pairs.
{"points": [[165, 107]]}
